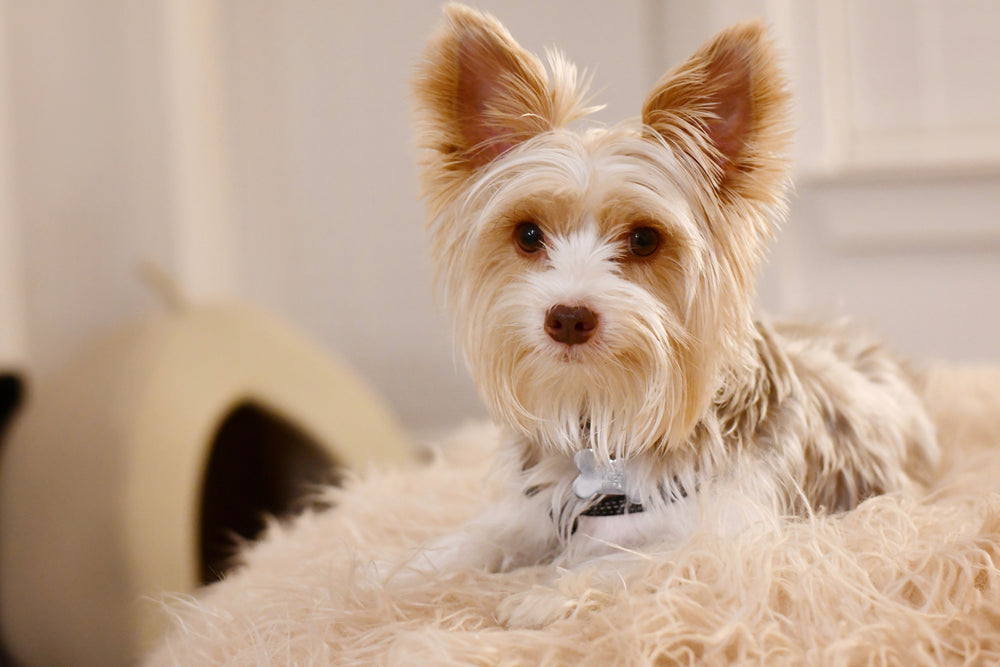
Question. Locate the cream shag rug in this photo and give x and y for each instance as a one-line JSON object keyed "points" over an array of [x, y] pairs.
{"points": [[900, 580]]}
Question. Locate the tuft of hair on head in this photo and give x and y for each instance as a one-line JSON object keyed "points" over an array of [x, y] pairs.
{"points": [[478, 94], [726, 109]]}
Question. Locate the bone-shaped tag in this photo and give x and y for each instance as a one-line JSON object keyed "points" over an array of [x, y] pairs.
{"points": [[605, 477]]}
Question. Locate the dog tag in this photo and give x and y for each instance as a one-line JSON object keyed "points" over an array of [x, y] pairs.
{"points": [[604, 477]]}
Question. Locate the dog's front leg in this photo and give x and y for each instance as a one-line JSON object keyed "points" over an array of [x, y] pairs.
{"points": [[513, 533]]}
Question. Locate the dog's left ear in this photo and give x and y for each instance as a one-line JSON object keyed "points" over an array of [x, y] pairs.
{"points": [[727, 109]]}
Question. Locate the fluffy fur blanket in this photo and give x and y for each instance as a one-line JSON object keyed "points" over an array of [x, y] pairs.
{"points": [[900, 580]]}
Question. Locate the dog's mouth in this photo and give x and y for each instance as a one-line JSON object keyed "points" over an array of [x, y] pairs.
{"points": [[573, 355], [600, 352]]}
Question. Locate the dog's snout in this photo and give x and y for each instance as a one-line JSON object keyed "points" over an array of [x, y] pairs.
{"points": [[572, 325]]}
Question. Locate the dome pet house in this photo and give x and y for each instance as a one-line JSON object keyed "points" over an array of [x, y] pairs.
{"points": [[128, 471], [898, 581]]}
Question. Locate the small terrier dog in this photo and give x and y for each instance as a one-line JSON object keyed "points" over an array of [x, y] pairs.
{"points": [[603, 281]]}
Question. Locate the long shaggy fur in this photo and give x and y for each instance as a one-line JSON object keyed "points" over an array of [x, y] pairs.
{"points": [[902, 580]]}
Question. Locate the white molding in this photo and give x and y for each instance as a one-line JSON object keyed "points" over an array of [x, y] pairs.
{"points": [[202, 220], [823, 38], [13, 349], [943, 213], [835, 90]]}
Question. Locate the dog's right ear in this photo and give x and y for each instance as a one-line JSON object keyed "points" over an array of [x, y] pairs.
{"points": [[479, 94]]}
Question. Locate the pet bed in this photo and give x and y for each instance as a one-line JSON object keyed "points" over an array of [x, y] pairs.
{"points": [[900, 580]]}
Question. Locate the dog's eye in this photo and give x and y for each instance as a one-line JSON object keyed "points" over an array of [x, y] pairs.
{"points": [[528, 237], [643, 241]]}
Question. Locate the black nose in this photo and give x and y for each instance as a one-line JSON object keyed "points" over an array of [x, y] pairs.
{"points": [[572, 325]]}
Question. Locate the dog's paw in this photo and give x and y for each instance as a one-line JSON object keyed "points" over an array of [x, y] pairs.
{"points": [[535, 608], [564, 593], [541, 606]]}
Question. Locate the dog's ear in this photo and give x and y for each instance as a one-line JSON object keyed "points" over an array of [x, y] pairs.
{"points": [[479, 93], [726, 108]]}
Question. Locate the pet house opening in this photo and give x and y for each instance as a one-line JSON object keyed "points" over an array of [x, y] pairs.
{"points": [[259, 465], [11, 393]]}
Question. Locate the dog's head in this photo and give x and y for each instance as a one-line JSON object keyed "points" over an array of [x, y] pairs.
{"points": [[601, 279]]}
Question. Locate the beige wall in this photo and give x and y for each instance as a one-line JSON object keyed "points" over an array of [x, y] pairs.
{"points": [[261, 150]]}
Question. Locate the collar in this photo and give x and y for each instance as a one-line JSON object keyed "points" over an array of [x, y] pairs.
{"points": [[613, 505]]}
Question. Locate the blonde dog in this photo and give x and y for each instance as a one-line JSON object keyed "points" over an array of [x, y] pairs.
{"points": [[602, 282]]}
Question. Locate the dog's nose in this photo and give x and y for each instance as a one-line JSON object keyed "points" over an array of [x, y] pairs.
{"points": [[571, 325]]}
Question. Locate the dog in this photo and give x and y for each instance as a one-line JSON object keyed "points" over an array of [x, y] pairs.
{"points": [[602, 285]]}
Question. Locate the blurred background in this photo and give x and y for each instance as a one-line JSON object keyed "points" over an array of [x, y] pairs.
{"points": [[261, 150]]}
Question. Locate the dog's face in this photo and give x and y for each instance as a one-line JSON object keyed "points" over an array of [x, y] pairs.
{"points": [[601, 280]]}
